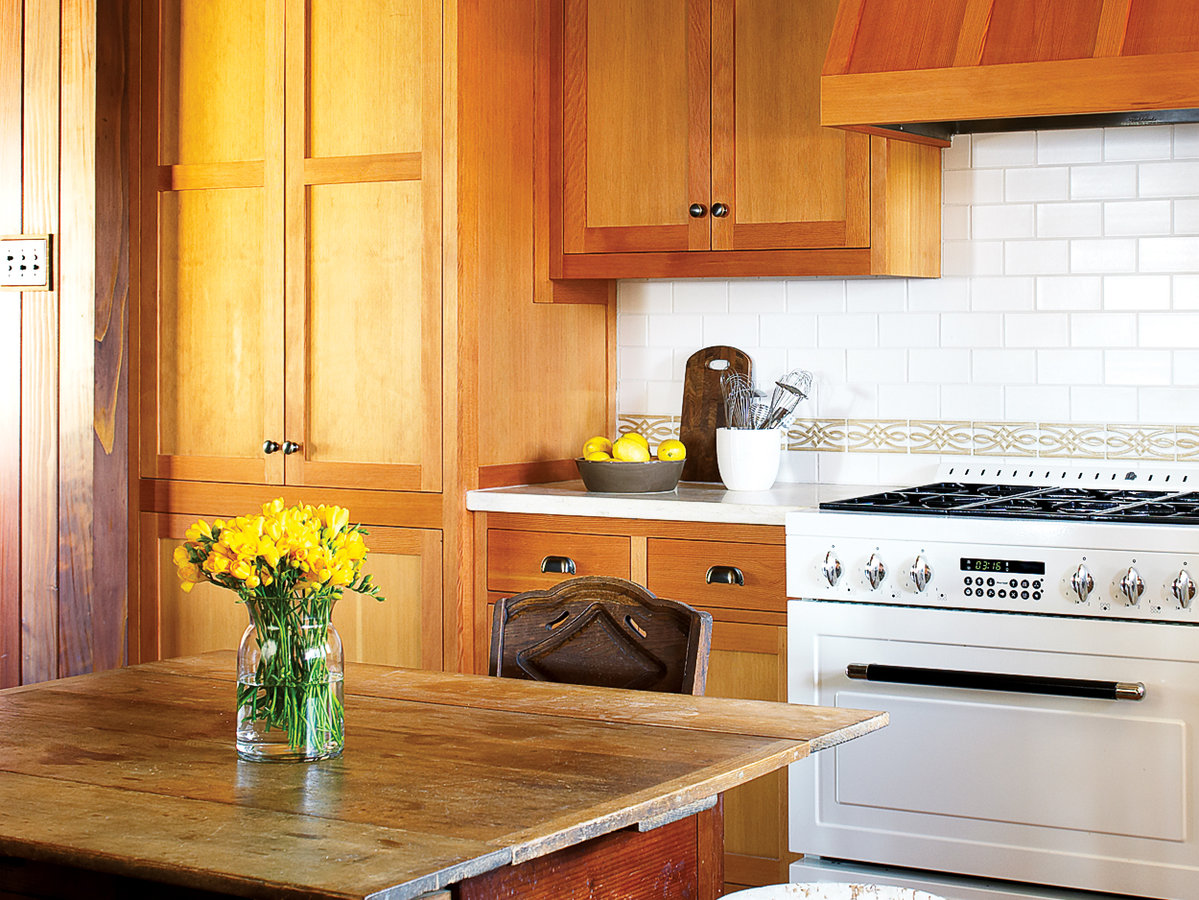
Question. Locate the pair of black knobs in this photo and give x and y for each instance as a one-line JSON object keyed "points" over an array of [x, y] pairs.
{"points": [[288, 447], [698, 210]]}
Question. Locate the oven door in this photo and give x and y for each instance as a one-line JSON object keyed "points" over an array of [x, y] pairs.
{"points": [[1097, 794]]}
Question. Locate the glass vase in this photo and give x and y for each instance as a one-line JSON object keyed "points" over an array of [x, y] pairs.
{"points": [[289, 691]]}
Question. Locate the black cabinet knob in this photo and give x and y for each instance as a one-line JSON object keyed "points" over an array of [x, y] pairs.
{"points": [[269, 446], [697, 210], [720, 210], [290, 447]]}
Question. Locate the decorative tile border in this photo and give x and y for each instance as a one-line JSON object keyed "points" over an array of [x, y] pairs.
{"points": [[1046, 440]]}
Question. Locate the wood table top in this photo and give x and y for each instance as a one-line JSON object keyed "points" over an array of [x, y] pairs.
{"points": [[133, 772]]}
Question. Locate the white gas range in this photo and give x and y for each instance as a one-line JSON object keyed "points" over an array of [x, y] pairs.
{"points": [[1031, 630]]}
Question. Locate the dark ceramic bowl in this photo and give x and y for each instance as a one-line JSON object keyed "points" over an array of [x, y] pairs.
{"points": [[610, 476]]}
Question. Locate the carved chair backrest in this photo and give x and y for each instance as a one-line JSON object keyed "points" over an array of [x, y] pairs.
{"points": [[602, 631]]}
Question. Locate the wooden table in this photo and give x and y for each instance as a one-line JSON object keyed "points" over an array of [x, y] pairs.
{"points": [[130, 776]]}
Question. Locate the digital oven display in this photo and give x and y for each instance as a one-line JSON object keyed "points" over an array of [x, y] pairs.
{"points": [[1003, 566]]}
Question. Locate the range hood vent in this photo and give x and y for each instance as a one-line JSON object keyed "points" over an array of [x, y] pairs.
{"points": [[924, 70]]}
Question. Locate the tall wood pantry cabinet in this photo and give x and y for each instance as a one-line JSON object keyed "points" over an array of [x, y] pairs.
{"points": [[335, 269], [690, 144]]}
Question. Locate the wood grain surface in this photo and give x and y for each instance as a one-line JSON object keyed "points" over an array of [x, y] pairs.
{"points": [[132, 772], [703, 407]]}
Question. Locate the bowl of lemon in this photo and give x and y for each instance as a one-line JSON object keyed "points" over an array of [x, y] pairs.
{"points": [[626, 465]]}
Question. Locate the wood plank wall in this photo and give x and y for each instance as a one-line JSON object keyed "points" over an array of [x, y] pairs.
{"points": [[63, 469]]}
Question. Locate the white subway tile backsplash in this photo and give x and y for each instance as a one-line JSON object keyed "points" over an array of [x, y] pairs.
{"points": [[1081, 367], [972, 186], [1137, 367], [735, 330], [999, 221], [763, 295], [1103, 330], [644, 297], [1069, 292], [1038, 329], [1084, 145], [875, 295], [1172, 254], [1004, 367], [1121, 144], [1005, 293], [697, 296], [818, 295], [1101, 255], [1136, 292], [1040, 184], [909, 329], [1107, 182], [1173, 329], [1017, 148], [1044, 257], [1170, 179], [1081, 219], [789, 331]]}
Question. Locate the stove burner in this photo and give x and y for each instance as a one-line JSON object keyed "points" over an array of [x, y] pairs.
{"points": [[1003, 490]]}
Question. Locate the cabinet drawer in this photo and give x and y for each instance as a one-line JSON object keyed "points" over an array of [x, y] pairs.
{"points": [[516, 559], [691, 571]]}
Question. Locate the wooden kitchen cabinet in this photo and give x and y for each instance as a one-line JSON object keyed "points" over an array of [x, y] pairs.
{"points": [[291, 323], [403, 630], [690, 144], [735, 572]]}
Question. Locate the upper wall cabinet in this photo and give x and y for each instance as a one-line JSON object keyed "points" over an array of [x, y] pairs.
{"points": [[291, 320], [690, 144]]}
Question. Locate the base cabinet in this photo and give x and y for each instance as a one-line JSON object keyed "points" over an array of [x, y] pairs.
{"points": [[404, 630], [734, 572]]}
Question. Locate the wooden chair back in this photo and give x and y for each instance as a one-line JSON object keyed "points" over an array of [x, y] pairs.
{"points": [[602, 631]]}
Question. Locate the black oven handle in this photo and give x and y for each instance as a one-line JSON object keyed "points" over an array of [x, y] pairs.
{"points": [[993, 681]]}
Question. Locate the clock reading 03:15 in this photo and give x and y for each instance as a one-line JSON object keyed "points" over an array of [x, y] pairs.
{"points": [[1003, 566]]}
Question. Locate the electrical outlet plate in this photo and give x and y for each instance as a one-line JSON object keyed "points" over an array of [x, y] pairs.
{"points": [[25, 262]]}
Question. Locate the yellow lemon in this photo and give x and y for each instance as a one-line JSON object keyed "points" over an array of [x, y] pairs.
{"points": [[628, 450], [599, 442], [597, 456], [672, 449], [640, 439]]}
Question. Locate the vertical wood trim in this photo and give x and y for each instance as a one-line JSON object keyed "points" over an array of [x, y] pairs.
{"points": [[76, 350], [285, 134], [699, 120], [134, 429], [973, 36], [1113, 27], [11, 84], [574, 126], [482, 623], [148, 426], [432, 283], [724, 121], [709, 826], [639, 559], [110, 399], [39, 350], [843, 37], [431, 605]]}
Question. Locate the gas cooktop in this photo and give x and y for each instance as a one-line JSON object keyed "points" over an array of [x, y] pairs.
{"points": [[1019, 501]]}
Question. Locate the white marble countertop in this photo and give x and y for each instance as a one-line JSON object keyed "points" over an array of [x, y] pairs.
{"points": [[689, 502]]}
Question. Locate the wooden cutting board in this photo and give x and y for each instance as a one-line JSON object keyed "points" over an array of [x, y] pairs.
{"points": [[703, 407]]}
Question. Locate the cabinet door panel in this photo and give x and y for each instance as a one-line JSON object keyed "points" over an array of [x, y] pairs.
{"points": [[212, 66], [404, 630], [789, 182], [747, 662], [635, 135], [217, 339]]}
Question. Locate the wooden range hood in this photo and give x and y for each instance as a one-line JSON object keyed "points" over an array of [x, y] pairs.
{"points": [[925, 70]]}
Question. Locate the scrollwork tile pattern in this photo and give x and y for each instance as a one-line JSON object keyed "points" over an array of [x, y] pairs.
{"points": [[1046, 440]]}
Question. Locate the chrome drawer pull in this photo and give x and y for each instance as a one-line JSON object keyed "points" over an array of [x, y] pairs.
{"points": [[725, 575], [558, 565], [993, 681]]}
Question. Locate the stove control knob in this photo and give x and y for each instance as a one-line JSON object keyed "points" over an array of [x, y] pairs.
{"points": [[1132, 586], [876, 571], [920, 573], [1082, 582], [831, 570], [1183, 589]]}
